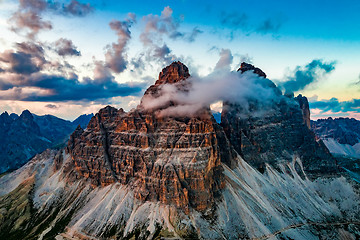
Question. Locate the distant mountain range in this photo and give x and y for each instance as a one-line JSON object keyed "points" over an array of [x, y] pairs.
{"points": [[28, 134], [340, 135]]}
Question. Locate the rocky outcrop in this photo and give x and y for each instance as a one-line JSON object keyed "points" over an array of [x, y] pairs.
{"points": [[248, 67], [175, 161], [276, 133], [304, 106], [175, 73]]}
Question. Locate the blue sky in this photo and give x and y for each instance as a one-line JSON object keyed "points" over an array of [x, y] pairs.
{"points": [[94, 53]]}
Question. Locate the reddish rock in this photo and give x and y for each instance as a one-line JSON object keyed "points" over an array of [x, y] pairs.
{"points": [[248, 67], [172, 160]]}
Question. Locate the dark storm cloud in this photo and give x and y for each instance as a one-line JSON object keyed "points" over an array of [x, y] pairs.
{"points": [[57, 88], [65, 47], [303, 76], [27, 59], [19, 62], [334, 105]]}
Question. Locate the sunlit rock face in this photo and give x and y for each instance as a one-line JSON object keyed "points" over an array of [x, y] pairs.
{"points": [[275, 132], [172, 160]]}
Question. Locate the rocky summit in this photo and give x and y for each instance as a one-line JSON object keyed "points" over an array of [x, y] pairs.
{"points": [[275, 132], [171, 160], [143, 175]]}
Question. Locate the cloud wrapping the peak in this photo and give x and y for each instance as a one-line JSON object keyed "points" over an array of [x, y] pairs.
{"points": [[221, 85]]}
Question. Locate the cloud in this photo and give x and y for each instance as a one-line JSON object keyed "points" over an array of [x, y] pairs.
{"points": [[235, 20], [28, 16], [163, 53], [52, 106], [156, 26], [65, 47], [221, 85], [334, 105], [304, 76], [193, 35], [27, 59], [115, 57], [269, 26], [45, 87], [30, 21], [242, 22], [225, 60], [75, 8], [152, 37]]}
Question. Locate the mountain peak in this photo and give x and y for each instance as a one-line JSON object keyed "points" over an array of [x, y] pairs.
{"points": [[176, 72], [249, 67], [173, 73], [26, 114]]}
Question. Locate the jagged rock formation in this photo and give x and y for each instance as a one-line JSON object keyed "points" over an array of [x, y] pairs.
{"points": [[304, 105], [28, 134], [249, 67], [142, 175], [276, 132], [340, 135], [171, 160]]}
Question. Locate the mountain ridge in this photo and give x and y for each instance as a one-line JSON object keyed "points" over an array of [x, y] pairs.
{"points": [[28, 134]]}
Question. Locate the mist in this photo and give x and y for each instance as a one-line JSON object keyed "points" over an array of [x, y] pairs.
{"points": [[201, 92]]}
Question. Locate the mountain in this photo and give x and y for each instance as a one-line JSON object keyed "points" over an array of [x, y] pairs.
{"points": [[83, 120], [340, 135], [276, 131], [28, 134], [152, 174]]}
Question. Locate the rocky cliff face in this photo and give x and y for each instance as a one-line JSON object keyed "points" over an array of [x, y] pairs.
{"points": [[171, 160], [275, 133]]}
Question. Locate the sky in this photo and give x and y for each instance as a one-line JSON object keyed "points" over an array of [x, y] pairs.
{"points": [[68, 57]]}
